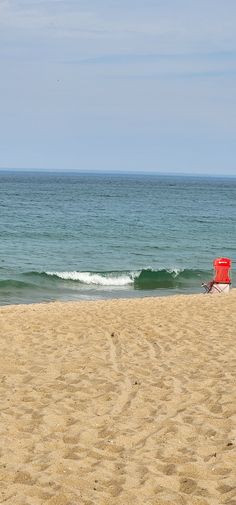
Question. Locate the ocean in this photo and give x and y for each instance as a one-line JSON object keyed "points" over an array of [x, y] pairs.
{"points": [[71, 236]]}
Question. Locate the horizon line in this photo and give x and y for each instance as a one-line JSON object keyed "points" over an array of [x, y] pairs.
{"points": [[113, 172]]}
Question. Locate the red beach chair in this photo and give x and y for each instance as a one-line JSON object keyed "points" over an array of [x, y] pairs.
{"points": [[221, 282]]}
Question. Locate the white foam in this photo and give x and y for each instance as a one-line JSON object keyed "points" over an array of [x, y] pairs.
{"points": [[174, 271], [97, 279]]}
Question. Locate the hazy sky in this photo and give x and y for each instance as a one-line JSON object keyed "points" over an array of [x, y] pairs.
{"points": [[118, 85]]}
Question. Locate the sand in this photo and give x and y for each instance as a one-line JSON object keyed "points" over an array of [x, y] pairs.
{"points": [[127, 402]]}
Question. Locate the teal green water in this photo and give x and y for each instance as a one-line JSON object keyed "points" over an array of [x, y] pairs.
{"points": [[74, 236]]}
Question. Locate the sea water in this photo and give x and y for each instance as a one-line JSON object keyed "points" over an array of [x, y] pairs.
{"points": [[71, 236]]}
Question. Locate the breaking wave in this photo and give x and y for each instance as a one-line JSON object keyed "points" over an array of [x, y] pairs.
{"points": [[28, 287], [142, 279]]}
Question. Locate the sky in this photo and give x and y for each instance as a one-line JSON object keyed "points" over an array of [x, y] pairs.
{"points": [[128, 85]]}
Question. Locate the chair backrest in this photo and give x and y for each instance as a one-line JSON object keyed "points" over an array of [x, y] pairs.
{"points": [[222, 267]]}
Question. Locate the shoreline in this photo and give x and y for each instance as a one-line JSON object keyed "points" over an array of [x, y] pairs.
{"points": [[107, 300], [119, 401]]}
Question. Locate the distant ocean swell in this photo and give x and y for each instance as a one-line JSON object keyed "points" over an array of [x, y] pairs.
{"points": [[146, 279]]}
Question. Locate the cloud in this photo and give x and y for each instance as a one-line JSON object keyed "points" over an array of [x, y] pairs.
{"points": [[170, 26], [51, 17]]}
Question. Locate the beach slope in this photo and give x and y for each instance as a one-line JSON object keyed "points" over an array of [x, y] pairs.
{"points": [[120, 402]]}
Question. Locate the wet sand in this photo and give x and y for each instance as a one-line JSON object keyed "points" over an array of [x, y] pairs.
{"points": [[122, 402]]}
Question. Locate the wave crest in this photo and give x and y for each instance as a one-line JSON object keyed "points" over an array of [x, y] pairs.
{"points": [[98, 279]]}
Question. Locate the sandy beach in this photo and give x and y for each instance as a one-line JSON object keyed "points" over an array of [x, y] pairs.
{"points": [[120, 402]]}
